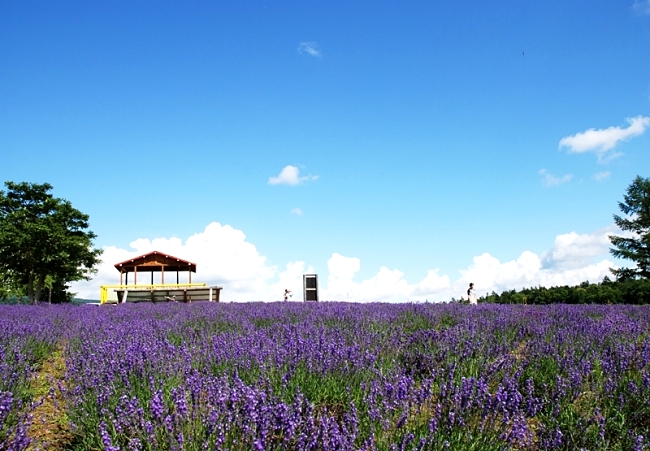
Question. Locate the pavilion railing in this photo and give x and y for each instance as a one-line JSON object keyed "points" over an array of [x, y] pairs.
{"points": [[104, 289]]}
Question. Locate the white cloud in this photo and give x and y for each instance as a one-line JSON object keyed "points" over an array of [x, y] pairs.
{"points": [[386, 285], [551, 180], [601, 176], [311, 48], [296, 211], [602, 142], [573, 259], [571, 250], [224, 257], [221, 253], [488, 274], [642, 6], [342, 269], [433, 284], [290, 175], [291, 279]]}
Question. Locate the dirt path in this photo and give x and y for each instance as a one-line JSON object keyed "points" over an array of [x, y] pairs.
{"points": [[50, 429]]}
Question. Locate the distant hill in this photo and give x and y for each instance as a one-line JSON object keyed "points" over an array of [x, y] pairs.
{"points": [[85, 301]]}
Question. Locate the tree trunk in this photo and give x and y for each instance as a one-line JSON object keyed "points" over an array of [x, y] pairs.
{"points": [[39, 287], [30, 288]]}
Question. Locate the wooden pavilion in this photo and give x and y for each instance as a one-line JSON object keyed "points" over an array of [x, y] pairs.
{"points": [[164, 264], [154, 262]]}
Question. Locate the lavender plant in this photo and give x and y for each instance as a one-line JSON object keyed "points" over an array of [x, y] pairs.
{"points": [[351, 376], [27, 336]]}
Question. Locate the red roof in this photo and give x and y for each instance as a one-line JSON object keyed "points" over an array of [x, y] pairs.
{"points": [[155, 261]]}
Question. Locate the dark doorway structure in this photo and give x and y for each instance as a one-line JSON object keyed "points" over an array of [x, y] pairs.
{"points": [[310, 287]]}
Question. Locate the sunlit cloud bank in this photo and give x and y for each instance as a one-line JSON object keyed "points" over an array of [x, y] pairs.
{"points": [[573, 258], [225, 258], [222, 254]]}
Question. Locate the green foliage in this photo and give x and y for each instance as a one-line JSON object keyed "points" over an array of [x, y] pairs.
{"points": [[43, 239], [55, 291], [636, 207], [10, 291], [627, 291]]}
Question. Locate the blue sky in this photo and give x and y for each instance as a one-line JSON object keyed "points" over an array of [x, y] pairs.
{"points": [[414, 145]]}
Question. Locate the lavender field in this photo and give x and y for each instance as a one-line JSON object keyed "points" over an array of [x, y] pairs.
{"points": [[324, 376]]}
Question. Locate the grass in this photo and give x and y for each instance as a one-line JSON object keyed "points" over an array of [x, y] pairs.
{"points": [[50, 427]]}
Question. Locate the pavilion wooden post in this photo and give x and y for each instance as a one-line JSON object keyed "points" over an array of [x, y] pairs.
{"points": [[154, 262]]}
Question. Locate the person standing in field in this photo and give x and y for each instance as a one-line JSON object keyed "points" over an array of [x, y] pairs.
{"points": [[471, 294], [287, 294]]}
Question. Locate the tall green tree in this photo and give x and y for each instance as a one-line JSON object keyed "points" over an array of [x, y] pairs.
{"points": [[9, 288], [42, 236], [636, 207]]}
